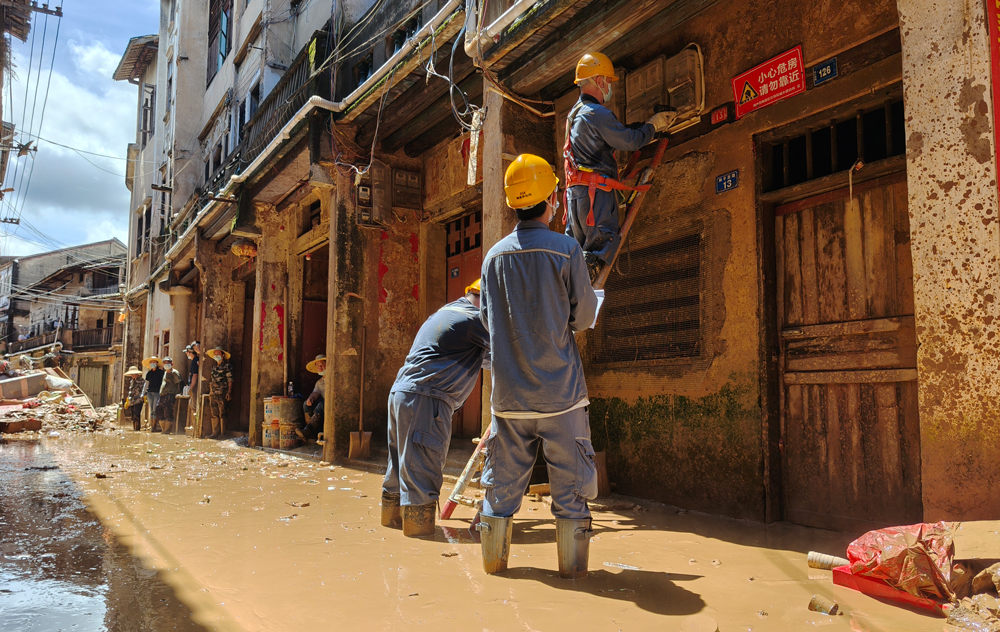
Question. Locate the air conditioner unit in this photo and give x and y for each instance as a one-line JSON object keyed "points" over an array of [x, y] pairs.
{"points": [[678, 82]]}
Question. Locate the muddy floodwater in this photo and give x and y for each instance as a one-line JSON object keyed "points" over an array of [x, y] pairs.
{"points": [[129, 531]]}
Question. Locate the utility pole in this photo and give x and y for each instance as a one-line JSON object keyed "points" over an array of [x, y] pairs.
{"points": [[33, 6]]}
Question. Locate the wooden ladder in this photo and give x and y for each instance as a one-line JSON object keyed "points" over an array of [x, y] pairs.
{"points": [[633, 205]]}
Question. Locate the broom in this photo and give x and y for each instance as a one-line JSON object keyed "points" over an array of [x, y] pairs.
{"points": [[361, 441]]}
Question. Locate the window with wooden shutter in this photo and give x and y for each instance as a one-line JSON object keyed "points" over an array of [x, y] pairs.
{"points": [[220, 17], [653, 309]]}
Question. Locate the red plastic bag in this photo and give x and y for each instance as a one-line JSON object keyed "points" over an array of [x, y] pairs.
{"points": [[915, 558]]}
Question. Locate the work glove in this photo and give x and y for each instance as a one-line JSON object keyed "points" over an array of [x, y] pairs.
{"points": [[662, 121]]}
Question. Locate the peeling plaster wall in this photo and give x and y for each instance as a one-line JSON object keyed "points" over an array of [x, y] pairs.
{"points": [[953, 207]]}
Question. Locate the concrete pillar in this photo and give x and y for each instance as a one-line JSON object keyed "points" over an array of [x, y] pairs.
{"points": [[508, 130], [345, 318], [268, 370], [952, 180], [180, 303], [221, 318]]}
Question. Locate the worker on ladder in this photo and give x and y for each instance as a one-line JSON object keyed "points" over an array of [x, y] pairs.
{"points": [[592, 136], [536, 294], [438, 376]]}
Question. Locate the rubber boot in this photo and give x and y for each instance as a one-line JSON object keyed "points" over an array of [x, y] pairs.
{"points": [[390, 511], [495, 536], [573, 547], [418, 520]]}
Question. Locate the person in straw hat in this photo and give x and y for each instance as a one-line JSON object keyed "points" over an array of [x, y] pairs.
{"points": [[133, 405], [220, 389], [169, 390], [313, 406], [154, 380]]}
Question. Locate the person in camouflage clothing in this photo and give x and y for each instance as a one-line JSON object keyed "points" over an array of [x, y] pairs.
{"points": [[135, 396], [221, 390], [165, 412]]}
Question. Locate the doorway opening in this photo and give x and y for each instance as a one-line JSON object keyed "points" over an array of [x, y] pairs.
{"points": [[464, 263]]}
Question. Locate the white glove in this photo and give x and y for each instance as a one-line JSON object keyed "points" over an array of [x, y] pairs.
{"points": [[662, 121]]}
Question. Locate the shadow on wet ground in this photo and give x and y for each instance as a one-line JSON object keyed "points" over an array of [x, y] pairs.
{"points": [[60, 569], [655, 592]]}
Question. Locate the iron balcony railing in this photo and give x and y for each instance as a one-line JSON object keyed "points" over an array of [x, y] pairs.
{"points": [[302, 80]]}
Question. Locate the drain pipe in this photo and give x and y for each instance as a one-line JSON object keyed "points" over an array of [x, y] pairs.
{"points": [[319, 103], [489, 35]]}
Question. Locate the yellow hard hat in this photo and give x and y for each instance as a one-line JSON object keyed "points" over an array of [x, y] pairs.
{"points": [[595, 65], [473, 287], [528, 181]]}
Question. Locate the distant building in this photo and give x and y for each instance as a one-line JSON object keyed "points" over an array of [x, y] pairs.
{"points": [[67, 302]]}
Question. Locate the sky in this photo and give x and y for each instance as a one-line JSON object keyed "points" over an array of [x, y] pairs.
{"points": [[70, 200]]}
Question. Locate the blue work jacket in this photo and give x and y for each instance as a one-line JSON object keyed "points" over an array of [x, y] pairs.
{"points": [[595, 134], [536, 294], [447, 354]]}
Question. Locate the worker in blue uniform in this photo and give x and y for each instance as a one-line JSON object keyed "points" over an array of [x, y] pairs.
{"points": [[439, 374], [536, 295], [592, 136]]}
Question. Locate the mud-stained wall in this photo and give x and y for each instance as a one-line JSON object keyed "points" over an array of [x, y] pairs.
{"points": [[446, 168], [952, 182], [269, 340], [690, 432]]}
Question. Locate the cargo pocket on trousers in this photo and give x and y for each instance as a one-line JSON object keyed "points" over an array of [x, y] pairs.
{"points": [[586, 470]]}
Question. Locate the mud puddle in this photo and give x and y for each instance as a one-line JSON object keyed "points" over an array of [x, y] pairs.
{"points": [[60, 568]]}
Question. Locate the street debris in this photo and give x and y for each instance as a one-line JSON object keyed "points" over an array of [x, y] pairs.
{"points": [[823, 605]]}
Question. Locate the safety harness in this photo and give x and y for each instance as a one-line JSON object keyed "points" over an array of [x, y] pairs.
{"points": [[577, 175]]}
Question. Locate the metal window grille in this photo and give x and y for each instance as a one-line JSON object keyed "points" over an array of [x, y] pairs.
{"points": [[869, 135], [654, 311]]}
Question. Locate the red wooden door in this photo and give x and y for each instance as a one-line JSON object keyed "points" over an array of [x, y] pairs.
{"points": [[465, 262], [850, 427]]}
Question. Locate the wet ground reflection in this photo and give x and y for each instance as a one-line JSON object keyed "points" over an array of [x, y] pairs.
{"points": [[60, 569]]}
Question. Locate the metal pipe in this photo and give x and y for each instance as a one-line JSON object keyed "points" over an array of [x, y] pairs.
{"points": [[489, 35]]}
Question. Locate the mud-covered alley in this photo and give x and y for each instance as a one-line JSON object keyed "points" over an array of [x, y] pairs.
{"points": [[140, 532], [778, 218]]}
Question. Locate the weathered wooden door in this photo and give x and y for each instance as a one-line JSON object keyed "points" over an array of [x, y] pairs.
{"points": [[850, 431], [92, 381]]}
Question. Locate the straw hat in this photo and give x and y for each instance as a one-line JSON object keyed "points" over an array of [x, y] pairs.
{"points": [[225, 354], [133, 371], [147, 361], [311, 367]]}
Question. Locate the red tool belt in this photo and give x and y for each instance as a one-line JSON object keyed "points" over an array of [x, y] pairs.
{"points": [[576, 176]]}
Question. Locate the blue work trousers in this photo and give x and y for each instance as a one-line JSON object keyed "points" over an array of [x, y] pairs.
{"points": [[569, 454], [419, 436], [601, 239]]}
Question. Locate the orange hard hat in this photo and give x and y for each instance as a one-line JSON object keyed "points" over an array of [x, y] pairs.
{"points": [[528, 181], [595, 65]]}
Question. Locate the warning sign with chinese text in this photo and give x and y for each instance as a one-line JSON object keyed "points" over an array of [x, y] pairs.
{"points": [[776, 79]]}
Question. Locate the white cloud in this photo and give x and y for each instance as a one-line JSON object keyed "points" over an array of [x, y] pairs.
{"points": [[70, 199]]}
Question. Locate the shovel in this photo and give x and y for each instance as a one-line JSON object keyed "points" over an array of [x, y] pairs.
{"points": [[361, 441]]}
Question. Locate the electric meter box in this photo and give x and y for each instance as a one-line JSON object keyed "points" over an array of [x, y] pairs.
{"points": [[406, 189], [372, 197], [678, 82]]}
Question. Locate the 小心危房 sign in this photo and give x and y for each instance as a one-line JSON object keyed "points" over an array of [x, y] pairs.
{"points": [[727, 181], [776, 79]]}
